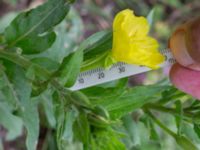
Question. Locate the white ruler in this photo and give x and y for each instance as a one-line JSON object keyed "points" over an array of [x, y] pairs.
{"points": [[117, 71]]}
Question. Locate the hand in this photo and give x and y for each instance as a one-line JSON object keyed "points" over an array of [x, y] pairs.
{"points": [[185, 46]]}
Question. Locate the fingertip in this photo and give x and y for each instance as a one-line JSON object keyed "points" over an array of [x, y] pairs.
{"points": [[185, 44]]}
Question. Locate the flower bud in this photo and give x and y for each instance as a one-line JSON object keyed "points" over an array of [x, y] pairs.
{"points": [[185, 44]]}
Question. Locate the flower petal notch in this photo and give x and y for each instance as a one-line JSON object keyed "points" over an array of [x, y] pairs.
{"points": [[131, 43]]}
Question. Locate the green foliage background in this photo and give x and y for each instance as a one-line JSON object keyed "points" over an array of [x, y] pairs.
{"points": [[41, 54]]}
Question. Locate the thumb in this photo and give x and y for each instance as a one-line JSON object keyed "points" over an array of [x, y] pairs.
{"points": [[185, 79]]}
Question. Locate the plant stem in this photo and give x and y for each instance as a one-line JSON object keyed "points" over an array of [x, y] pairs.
{"points": [[160, 124], [41, 72], [15, 58], [167, 110], [25, 63]]}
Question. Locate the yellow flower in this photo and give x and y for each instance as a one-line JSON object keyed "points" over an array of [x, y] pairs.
{"points": [[131, 43]]}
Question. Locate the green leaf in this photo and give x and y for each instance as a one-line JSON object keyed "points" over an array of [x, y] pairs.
{"points": [[196, 118], [150, 17], [171, 94], [97, 44], [132, 99], [101, 111], [60, 122], [106, 140], [189, 132], [46, 63], [29, 112], [70, 68], [197, 129], [37, 44], [71, 116], [82, 129], [153, 133], [31, 30], [12, 123], [185, 143], [98, 121], [119, 102], [10, 95], [65, 134], [6, 20], [195, 103], [47, 103], [179, 118], [132, 129], [92, 51], [80, 99], [31, 72], [69, 33]]}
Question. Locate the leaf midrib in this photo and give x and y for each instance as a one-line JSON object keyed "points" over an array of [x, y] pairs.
{"points": [[35, 26]]}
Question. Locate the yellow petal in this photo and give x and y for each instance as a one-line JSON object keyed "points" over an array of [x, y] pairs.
{"points": [[127, 22], [131, 43]]}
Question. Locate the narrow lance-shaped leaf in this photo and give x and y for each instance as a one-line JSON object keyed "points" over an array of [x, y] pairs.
{"points": [[31, 30], [70, 68], [150, 17], [153, 133], [12, 123], [133, 99], [98, 43], [29, 112], [47, 103], [71, 116], [197, 129], [120, 102], [9, 92], [131, 127], [107, 140], [65, 127], [82, 129], [179, 118], [185, 143]]}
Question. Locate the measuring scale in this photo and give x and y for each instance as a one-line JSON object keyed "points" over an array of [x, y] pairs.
{"points": [[117, 71]]}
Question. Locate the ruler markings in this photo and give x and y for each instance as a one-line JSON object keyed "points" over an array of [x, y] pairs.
{"points": [[117, 71]]}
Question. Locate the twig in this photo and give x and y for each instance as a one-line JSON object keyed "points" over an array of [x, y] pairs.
{"points": [[160, 124]]}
